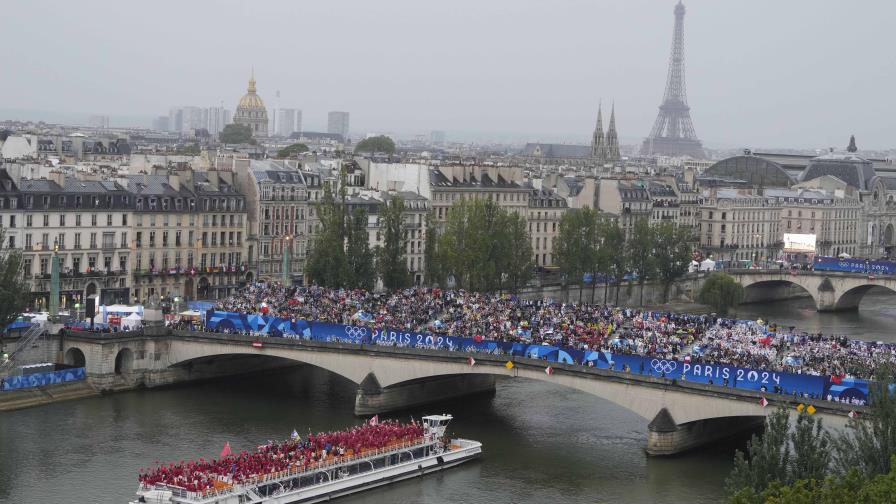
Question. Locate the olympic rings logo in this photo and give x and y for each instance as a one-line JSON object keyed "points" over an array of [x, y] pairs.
{"points": [[356, 332], [663, 366]]}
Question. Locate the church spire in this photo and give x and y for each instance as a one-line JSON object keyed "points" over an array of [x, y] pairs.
{"points": [[252, 82], [598, 144], [612, 137]]}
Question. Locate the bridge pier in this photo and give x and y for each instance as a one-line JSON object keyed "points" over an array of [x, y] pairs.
{"points": [[373, 399], [665, 437]]}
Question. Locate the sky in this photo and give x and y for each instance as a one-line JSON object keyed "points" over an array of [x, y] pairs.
{"points": [[760, 73]]}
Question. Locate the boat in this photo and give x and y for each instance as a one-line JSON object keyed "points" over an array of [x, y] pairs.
{"points": [[334, 472]]}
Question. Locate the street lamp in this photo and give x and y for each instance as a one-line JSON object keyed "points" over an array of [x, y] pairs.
{"points": [[286, 275]]}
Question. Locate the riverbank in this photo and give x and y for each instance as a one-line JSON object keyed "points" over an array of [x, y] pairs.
{"points": [[40, 396]]}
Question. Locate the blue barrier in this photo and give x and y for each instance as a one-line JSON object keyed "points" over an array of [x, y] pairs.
{"points": [[42, 379], [820, 387]]}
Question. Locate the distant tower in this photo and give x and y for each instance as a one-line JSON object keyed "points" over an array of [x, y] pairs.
{"points": [[673, 133], [612, 137], [251, 111], [852, 144], [598, 145]]}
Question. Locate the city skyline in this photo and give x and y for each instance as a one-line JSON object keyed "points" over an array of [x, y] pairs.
{"points": [[806, 82]]}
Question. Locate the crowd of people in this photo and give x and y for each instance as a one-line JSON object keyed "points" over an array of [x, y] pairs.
{"points": [[701, 338], [293, 455]]}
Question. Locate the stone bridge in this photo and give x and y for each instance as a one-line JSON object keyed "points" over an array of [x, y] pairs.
{"points": [[682, 414], [831, 291]]}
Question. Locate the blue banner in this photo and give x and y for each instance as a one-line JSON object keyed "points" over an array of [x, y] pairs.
{"points": [[802, 385], [42, 379]]}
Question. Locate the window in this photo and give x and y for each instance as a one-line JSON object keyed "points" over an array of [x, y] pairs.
{"points": [[124, 239], [122, 262], [76, 264], [92, 240], [108, 219], [93, 220], [61, 220], [77, 240], [152, 239], [12, 221], [78, 220], [12, 242]]}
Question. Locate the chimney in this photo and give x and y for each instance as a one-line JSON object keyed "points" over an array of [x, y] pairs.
{"points": [[174, 180], [58, 176]]}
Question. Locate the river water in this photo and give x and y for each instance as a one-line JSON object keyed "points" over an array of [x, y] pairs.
{"points": [[542, 443]]}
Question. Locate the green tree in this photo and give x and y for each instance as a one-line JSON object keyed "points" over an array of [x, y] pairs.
{"points": [[475, 247], [721, 291], [391, 259], [236, 134], [812, 449], [869, 442], [362, 274], [327, 262], [641, 252], [617, 260], [767, 461], [574, 250], [379, 143], [13, 286], [671, 252], [292, 150], [432, 260], [518, 256]]}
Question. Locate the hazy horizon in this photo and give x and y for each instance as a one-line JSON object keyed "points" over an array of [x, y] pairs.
{"points": [[798, 74]]}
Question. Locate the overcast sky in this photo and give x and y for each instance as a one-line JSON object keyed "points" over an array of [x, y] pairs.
{"points": [[795, 73]]}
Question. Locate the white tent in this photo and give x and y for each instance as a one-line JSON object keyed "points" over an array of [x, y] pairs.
{"points": [[707, 265], [132, 321]]}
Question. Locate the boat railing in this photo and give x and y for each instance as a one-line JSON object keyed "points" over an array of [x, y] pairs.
{"points": [[299, 470]]}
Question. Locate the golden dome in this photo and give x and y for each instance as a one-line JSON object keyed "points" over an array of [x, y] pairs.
{"points": [[250, 100]]}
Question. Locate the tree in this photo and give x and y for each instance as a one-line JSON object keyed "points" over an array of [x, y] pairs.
{"points": [[236, 134], [13, 286], [292, 150], [640, 250], [476, 246], [391, 260], [722, 292], [574, 244], [672, 253], [617, 260], [768, 458], [379, 143], [811, 457], [327, 262], [869, 442], [518, 256], [361, 272], [432, 260]]}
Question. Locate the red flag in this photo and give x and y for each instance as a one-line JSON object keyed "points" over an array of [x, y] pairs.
{"points": [[257, 344], [375, 420], [477, 338], [853, 414], [763, 402], [549, 370], [226, 450], [471, 361], [837, 379]]}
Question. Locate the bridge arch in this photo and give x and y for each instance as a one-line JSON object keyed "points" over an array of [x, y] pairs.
{"points": [[850, 299], [75, 357], [124, 361], [760, 290]]}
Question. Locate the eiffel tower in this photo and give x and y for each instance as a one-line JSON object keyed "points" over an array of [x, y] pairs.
{"points": [[673, 132]]}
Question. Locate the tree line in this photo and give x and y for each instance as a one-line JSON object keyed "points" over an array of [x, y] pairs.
{"points": [[590, 242], [340, 255], [481, 247], [802, 462]]}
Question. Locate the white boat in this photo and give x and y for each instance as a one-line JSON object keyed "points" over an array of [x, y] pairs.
{"points": [[325, 481]]}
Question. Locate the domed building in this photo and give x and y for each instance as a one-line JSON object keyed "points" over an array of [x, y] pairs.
{"points": [[252, 112]]}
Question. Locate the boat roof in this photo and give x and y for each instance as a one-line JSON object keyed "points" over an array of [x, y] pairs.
{"points": [[438, 417]]}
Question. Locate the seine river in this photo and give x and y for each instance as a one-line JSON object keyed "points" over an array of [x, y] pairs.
{"points": [[542, 443]]}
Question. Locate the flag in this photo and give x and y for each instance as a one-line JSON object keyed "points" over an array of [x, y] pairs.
{"points": [[374, 420], [810, 410], [763, 402], [853, 414], [471, 361], [226, 450], [549, 370], [509, 365], [257, 344], [837, 379]]}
